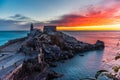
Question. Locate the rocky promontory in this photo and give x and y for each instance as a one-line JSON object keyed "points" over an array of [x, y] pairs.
{"points": [[56, 45], [50, 45]]}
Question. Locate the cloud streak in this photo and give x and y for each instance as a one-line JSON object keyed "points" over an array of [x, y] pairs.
{"points": [[105, 13], [18, 22], [19, 17]]}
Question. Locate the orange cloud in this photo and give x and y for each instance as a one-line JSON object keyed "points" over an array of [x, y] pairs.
{"points": [[106, 13]]}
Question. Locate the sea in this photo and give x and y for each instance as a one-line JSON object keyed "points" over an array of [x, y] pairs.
{"points": [[5, 36], [82, 66]]}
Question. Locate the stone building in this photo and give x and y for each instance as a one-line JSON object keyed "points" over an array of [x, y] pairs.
{"points": [[48, 29], [31, 27]]}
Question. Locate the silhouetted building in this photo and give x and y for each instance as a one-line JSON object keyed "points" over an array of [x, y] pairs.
{"points": [[31, 27], [48, 29]]}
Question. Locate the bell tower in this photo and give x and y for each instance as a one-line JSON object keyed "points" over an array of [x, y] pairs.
{"points": [[31, 27]]}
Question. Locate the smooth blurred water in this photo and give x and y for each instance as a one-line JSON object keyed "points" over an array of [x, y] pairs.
{"points": [[80, 66], [111, 40], [8, 35], [92, 61]]}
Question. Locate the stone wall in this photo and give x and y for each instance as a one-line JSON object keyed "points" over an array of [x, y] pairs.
{"points": [[49, 29]]}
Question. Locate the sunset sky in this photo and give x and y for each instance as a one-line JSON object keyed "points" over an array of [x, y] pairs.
{"points": [[66, 14]]}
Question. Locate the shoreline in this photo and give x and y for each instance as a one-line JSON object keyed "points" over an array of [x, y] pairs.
{"points": [[55, 45]]}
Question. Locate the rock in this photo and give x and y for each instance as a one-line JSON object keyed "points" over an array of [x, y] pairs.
{"points": [[99, 45], [29, 69], [81, 55], [58, 45], [52, 64], [52, 75], [55, 45], [62, 61], [70, 55], [66, 57]]}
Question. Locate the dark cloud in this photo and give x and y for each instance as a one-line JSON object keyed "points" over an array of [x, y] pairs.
{"points": [[105, 13], [5, 22], [19, 22], [66, 19], [20, 17]]}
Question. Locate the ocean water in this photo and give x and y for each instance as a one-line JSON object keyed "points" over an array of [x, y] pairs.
{"points": [[8, 35], [92, 61]]}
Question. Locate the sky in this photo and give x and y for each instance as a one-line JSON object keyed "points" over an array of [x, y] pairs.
{"points": [[66, 14]]}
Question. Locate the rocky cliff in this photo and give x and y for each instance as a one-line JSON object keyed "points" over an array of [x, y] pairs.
{"points": [[56, 46]]}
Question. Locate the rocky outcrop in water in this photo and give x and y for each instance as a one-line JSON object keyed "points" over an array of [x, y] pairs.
{"points": [[55, 45]]}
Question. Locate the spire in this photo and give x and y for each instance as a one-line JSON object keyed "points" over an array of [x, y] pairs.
{"points": [[31, 27]]}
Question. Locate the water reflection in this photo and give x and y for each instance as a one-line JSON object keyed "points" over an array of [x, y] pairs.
{"points": [[80, 66], [86, 66]]}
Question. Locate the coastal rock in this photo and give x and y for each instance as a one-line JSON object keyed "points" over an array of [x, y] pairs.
{"points": [[58, 45], [99, 45], [52, 75], [51, 51], [31, 70], [51, 64], [34, 32]]}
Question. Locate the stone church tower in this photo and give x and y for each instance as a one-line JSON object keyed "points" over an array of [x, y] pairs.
{"points": [[31, 27]]}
